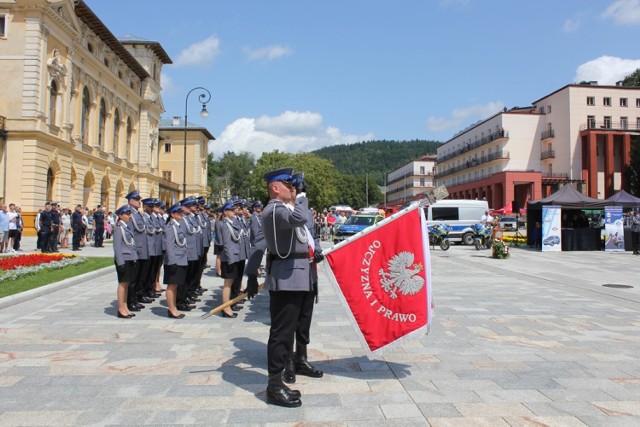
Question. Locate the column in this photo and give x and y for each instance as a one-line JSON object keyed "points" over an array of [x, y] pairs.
{"points": [[592, 165], [608, 167]]}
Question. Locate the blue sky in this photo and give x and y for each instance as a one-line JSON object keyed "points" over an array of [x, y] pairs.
{"points": [[297, 75]]}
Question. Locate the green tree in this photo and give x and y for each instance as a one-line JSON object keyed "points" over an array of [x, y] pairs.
{"points": [[632, 172], [632, 79], [230, 174]]}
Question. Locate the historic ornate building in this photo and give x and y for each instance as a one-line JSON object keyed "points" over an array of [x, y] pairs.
{"points": [[81, 108]]}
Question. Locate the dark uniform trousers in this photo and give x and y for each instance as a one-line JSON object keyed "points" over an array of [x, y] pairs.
{"points": [[98, 236], [237, 282], [43, 239], [306, 310], [285, 308], [75, 239], [201, 267], [52, 244], [143, 280]]}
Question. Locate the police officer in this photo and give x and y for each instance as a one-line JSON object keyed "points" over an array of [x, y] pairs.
{"points": [[258, 247], [98, 221], [76, 226], [138, 229], [287, 278], [244, 248], [45, 228], [194, 279], [159, 222], [230, 241], [175, 259], [184, 302], [297, 362], [125, 254], [55, 228], [204, 222], [154, 249]]}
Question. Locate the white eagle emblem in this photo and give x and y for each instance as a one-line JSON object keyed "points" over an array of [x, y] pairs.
{"points": [[403, 276]]}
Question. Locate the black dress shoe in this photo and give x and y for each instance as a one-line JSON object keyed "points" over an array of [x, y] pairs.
{"points": [[230, 316], [179, 316], [133, 307], [235, 308], [145, 299], [140, 306], [127, 316], [183, 307]]}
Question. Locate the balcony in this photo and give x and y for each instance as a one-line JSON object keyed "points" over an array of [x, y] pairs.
{"points": [[547, 134], [549, 154], [483, 141], [169, 185], [607, 125], [500, 155]]}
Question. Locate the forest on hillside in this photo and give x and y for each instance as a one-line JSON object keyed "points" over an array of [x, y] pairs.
{"points": [[375, 157]]}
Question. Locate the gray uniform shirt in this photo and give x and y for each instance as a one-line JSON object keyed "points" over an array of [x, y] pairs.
{"points": [[231, 235], [192, 239], [175, 240], [124, 244], [137, 228], [258, 246], [279, 225], [150, 228]]}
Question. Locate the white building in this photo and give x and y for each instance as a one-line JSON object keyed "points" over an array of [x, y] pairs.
{"points": [[411, 180]]}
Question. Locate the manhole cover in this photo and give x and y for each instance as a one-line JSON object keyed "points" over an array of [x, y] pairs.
{"points": [[612, 285]]}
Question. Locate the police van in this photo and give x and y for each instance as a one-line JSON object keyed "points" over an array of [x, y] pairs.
{"points": [[459, 215]]}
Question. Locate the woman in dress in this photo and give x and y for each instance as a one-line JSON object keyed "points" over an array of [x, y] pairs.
{"points": [[124, 250], [175, 259]]}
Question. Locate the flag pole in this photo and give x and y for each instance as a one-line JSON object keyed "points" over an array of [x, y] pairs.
{"points": [[420, 204]]}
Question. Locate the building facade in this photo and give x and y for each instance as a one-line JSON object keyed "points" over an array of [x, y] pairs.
{"points": [[183, 159], [578, 135], [81, 108], [410, 181]]}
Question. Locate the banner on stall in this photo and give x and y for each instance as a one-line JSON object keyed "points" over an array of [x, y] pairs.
{"points": [[613, 228], [551, 229]]}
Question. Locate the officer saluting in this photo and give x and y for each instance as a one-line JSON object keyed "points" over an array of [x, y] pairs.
{"points": [[287, 278]]}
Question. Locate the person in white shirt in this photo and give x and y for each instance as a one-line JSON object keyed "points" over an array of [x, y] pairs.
{"points": [[13, 227], [486, 219]]}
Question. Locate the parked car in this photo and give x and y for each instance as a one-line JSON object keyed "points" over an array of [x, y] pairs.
{"points": [[551, 241], [353, 225], [509, 223]]}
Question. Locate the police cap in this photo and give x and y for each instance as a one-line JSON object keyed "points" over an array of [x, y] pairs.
{"points": [[283, 174]]}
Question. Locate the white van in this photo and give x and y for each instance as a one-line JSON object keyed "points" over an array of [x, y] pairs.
{"points": [[459, 215]]}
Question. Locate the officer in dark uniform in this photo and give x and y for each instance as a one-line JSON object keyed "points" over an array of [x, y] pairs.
{"points": [[287, 278], [76, 226], [98, 232], [138, 229], [297, 362], [45, 228], [55, 228]]}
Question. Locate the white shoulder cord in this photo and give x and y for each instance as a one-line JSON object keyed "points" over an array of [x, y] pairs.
{"points": [[187, 224], [233, 235], [201, 221], [130, 243], [182, 243], [197, 228], [151, 230], [135, 224], [275, 237]]}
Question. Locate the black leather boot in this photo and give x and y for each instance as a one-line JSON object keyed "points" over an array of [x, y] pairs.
{"points": [[289, 375], [303, 367], [279, 394]]}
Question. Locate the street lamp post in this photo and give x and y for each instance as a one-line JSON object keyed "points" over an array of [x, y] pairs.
{"points": [[204, 99]]}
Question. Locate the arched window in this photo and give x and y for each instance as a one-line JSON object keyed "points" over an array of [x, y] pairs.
{"points": [[53, 99], [86, 106], [116, 132], [102, 118], [127, 153]]}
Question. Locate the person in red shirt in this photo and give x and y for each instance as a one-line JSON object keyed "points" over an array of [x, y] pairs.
{"points": [[331, 220]]}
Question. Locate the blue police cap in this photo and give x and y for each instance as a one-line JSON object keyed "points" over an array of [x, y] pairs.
{"points": [[283, 174], [135, 194], [162, 204], [149, 202], [207, 206], [175, 208], [297, 178], [189, 201], [256, 204], [229, 205], [201, 200], [126, 209]]}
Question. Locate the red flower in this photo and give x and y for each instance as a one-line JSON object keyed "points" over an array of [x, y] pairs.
{"points": [[10, 263]]}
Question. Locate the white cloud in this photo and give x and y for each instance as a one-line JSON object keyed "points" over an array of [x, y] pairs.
{"points": [[461, 116], [168, 86], [624, 12], [290, 132], [269, 52], [606, 70], [572, 25], [200, 54]]}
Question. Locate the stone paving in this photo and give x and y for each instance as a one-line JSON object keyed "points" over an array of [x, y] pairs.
{"points": [[535, 340]]}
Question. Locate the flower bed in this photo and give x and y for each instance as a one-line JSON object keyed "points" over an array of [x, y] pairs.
{"points": [[14, 267]]}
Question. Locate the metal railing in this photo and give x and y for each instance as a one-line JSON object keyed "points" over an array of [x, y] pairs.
{"points": [[550, 154], [500, 155], [470, 146], [549, 133], [610, 125]]}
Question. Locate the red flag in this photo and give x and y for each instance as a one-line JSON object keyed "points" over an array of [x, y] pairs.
{"points": [[384, 276]]}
